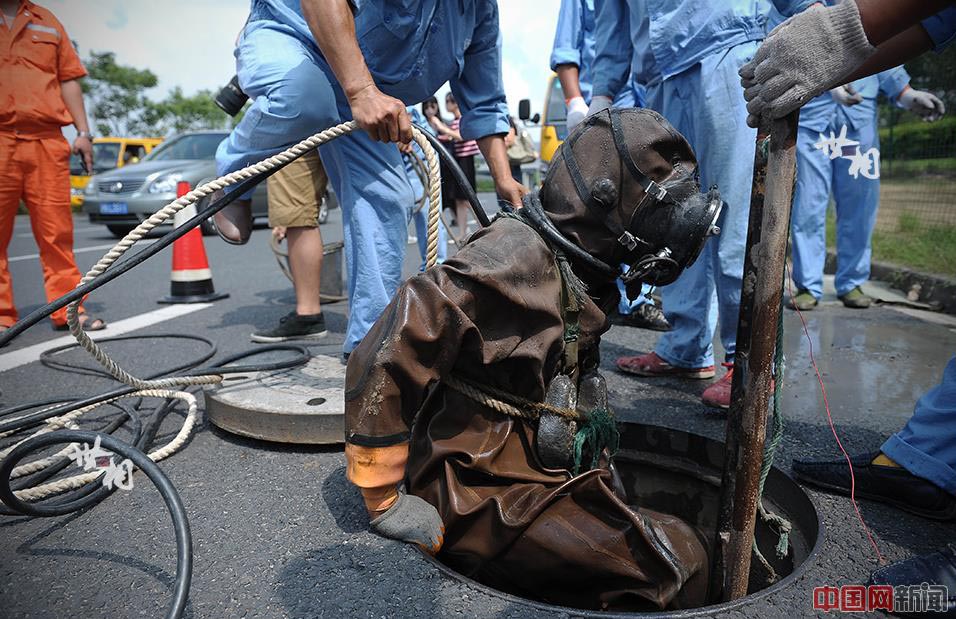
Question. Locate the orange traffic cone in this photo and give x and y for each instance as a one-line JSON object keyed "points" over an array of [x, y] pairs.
{"points": [[191, 279]]}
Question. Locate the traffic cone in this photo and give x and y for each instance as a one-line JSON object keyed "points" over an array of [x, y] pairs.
{"points": [[191, 279]]}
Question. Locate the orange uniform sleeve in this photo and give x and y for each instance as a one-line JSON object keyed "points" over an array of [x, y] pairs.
{"points": [[68, 65]]}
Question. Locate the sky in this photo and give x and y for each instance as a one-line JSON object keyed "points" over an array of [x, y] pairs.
{"points": [[189, 43]]}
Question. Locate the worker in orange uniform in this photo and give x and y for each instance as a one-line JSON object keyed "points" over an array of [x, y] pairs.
{"points": [[39, 94]]}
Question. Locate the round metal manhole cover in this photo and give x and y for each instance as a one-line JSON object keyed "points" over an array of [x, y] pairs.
{"points": [[299, 405]]}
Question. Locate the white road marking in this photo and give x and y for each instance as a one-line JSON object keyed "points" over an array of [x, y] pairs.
{"points": [[79, 250], [32, 353], [75, 231]]}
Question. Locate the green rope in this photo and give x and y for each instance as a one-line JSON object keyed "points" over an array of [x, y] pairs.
{"points": [[597, 433], [780, 524]]}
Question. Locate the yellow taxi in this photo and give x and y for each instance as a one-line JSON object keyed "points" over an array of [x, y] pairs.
{"points": [[554, 127], [108, 153]]}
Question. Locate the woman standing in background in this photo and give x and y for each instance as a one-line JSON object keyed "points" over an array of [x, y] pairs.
{"points": [[465, 152]]}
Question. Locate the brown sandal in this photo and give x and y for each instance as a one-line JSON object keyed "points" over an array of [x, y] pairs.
{"points": [[89, 323]]}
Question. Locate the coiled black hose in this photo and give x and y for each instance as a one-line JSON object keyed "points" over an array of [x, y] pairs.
{"points": [[184, 543], [94, 492]]}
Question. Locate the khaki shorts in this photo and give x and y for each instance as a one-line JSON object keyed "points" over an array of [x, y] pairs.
{"points": [[296, 191]]}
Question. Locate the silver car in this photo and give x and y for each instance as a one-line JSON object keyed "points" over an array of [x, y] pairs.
{"points": [[123, 198]]}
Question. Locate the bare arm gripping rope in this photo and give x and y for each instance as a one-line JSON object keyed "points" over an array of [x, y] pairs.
{"points": [[306, 145]]}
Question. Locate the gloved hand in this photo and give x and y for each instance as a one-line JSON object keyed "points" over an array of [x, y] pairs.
{"points": [[802, 57], [927, 105], [599, 103], [413, 520], [577, 111], [845, 95]]}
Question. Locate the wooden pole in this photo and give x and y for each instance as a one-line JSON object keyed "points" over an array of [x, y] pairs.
{"points": [[760, 302]]}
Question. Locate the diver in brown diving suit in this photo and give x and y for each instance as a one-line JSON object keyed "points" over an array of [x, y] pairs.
{"points": [[504, 314]]}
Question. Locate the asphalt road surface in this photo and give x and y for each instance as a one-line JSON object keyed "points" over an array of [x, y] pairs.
{"points": [[277, 530]]}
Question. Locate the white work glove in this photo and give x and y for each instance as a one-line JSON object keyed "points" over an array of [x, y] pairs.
{"points": [[599, 103], [925, 104], [577, 111], [411, 519], [803, 57], [845, 95]]}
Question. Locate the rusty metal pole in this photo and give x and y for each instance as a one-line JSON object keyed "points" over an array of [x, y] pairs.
{"points": [[760, 302]]}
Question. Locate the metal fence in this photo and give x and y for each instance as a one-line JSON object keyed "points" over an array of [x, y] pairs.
{"points": [[917, 172]]}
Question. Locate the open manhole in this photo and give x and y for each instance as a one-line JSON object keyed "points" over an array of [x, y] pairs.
{"points": [[676, 472]]}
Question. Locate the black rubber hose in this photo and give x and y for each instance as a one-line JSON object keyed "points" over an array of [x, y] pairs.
{"points": [[47, 356], [26, 421], [222, 367], [92, 493], [184, 556], [34, 419], [459, 175], [23, 407], [41, 476]]}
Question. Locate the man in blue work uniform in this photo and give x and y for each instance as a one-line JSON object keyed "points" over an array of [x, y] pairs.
{"points": [[852, 173], [916, 468], [315, 63], [687, 53], [572, 57]]}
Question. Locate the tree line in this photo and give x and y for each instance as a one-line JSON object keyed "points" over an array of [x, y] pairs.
{"points": [[119, 106]]}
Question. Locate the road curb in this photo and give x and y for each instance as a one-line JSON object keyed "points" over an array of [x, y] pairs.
{"points": [[922, 287]]}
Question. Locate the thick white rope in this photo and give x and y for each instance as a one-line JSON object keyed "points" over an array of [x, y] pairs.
{"points": [[77, 481], [306, 145], [161, 388]]}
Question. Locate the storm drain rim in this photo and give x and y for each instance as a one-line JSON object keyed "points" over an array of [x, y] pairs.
{"points": [[776, 477]]}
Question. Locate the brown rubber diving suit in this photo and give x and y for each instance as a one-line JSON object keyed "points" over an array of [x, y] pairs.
{"points": [[493, 315]]}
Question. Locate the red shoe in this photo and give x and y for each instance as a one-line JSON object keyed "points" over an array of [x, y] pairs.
{"points": [[718, 394], [652, 365]]}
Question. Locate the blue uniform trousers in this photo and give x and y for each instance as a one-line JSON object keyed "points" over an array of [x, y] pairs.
{"points": [[857, 201], [926, 446], [295, 96], [706, 104]]}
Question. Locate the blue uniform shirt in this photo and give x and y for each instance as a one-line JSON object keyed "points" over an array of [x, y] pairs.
{"points": [[942, 28], [574, 43], [412, 47], [819, 112], [666, 37]]}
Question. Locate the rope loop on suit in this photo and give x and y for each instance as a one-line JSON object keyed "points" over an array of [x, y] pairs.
{"points": [[507, 403]]}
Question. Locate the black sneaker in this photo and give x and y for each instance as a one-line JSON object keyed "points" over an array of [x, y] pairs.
{"points": [[294, 327], [644, 316]]}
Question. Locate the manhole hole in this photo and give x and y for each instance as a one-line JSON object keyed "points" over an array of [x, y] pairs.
{"points": [[678, 473]]}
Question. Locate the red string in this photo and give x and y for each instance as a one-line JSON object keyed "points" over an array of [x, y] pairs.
{"points": [[826, 406]]}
